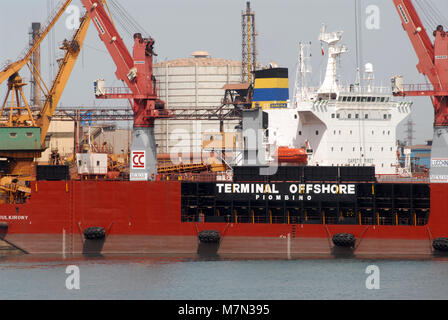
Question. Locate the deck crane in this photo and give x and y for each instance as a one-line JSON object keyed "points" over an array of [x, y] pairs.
{"points": [[137, 72], [23, 136], [433, 63]]}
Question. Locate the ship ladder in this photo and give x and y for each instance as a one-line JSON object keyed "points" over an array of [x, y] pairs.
{"points": [[328, 236], [361, 236]]}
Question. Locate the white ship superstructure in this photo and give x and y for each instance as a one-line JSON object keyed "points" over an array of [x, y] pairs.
{"points": [[350, 125]]}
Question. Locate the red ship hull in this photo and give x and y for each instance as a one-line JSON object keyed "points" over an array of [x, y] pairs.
{"points": [[145, 218]]}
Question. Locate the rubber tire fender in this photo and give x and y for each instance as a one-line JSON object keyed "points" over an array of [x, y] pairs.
{"points": [[440, 244], [94, 233], [209, 236], [344, 240]]}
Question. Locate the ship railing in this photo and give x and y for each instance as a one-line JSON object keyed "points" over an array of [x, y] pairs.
{"points": [[353, 89], [190, 177], [116, 90], [402, 179], [418, 87], [268, 219], [365, 90]]}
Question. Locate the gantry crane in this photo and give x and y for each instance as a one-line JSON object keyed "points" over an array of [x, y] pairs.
{"points": [[136, 71], [433, 63], [23, 135]]}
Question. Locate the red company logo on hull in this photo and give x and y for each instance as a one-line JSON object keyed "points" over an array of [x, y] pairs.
{"points": [[138, 159]]}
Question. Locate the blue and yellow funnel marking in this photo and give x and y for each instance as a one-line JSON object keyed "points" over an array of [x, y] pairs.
{"points": [[271, 88]]}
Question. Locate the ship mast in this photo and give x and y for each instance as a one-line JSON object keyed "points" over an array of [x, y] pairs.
{"points": [[301, 91], [332, 39]]}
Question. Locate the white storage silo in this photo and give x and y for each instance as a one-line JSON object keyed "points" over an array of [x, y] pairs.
{"points": [[195, 82]]}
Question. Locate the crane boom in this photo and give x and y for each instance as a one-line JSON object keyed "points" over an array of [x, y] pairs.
{"points": [[433, 63], [13, 68], [112, 40], [433, 60], [72, 48], [419, 38]]}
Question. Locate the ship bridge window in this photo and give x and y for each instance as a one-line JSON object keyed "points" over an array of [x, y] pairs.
{"points": [[389, 116], [332, 116], [338, 115], [357, 116], [344, 99], [369, 99], [349, 115], [364, 99], [366, 116], [358, 99], [300, 133], [317, 132]]}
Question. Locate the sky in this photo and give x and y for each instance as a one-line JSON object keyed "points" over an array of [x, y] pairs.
{"points": [[183, 26]]}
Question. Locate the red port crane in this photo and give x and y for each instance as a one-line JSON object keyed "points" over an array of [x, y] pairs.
{"points": [[137, 72], [433, 61]]}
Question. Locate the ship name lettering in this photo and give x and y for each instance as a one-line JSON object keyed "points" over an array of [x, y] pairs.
{"points": [[247, 188], [13, 217], [322, 188]]}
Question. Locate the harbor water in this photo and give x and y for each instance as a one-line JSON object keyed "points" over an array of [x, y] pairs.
{"points": [[180, 278]]}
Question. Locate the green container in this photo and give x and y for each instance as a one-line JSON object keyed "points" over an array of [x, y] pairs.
{"points": [[20, 139]]}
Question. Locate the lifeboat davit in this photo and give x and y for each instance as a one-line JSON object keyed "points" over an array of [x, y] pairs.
{"points": [[290, 155]]}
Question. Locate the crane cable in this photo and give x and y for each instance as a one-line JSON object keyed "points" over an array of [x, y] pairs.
{"points": [[125, 20], [431, 16]]}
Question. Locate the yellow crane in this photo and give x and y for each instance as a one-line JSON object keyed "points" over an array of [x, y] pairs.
{"points": [[15, 67], [23, 133], [20, 125]]}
